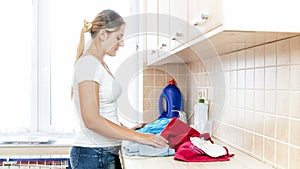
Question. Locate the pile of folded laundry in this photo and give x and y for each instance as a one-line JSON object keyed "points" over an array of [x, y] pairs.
{"points": [[185, 143], [133, 148]]}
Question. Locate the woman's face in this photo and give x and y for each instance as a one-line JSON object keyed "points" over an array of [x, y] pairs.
{"points": [[114, 40]]}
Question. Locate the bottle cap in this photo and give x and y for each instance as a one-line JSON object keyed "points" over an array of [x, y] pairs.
{"points": [[172, 82], [201, 100]]}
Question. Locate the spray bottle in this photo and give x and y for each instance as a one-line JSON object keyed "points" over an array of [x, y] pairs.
{"points": [[201, 115]]}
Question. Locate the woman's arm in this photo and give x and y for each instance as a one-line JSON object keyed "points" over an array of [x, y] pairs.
{"points": [[89, 105]]}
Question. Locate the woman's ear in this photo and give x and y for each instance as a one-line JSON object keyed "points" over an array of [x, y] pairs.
{"points": [[102, 34]]}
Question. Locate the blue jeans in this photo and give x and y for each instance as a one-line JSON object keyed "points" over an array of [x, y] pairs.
{"points": [[95, 158]]}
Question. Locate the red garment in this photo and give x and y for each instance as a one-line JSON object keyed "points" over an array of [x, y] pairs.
{"points": [[190, 153], [178, 132]]}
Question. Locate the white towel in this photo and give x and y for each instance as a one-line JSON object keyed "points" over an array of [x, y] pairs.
{"points": [[210, 149]]}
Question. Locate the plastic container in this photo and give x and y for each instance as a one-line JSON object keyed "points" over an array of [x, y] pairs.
{"points": [[170, 101], [201, 122]]}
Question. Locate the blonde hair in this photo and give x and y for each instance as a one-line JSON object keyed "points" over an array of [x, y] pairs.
{"points": [[107, 19]]}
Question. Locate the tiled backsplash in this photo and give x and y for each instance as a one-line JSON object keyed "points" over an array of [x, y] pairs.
{"points": [[262, 109], [261, 113]]}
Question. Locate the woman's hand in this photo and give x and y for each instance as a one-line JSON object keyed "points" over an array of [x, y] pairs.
{"points": [[153, 140]]}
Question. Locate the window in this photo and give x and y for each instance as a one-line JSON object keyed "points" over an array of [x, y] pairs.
{"points": [[40, 39], [16, 65]]}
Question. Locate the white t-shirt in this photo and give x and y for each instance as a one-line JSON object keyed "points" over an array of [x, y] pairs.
{"points": [[89, 68]]}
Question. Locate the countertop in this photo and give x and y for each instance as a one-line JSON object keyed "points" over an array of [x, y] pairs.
{"points": [[239, 161]]}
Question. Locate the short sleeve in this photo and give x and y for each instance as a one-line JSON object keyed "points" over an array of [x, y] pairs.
{"points": [[87, 68]]}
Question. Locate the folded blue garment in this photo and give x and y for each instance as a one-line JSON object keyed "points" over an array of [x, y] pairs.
{"points": [[155, 127], [133, 148]]}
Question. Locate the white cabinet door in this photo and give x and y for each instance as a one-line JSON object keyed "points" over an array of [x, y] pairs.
{"points": [[178, 23], [207, 14], [163, 26], [152, 30]]}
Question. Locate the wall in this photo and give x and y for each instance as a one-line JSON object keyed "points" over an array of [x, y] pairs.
{"points": [[261, 114], [262, 111]]}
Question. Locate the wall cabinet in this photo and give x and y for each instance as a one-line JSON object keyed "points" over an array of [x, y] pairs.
{"points": [[163, 26], [178, 25], [204, 16], [151, 30], [170, 26], [225, 24]]}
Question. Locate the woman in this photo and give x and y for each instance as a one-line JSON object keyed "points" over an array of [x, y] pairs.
{"points": [[94, 94]]}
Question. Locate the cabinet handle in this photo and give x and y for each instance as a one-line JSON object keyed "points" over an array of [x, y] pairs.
{"points": [[163, 45], [152, 52], [204, 16], [137, 47], [200, 19], [178, 36]]}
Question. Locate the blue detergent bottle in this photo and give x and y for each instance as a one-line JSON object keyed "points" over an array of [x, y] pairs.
{"points": [[170, 100]]}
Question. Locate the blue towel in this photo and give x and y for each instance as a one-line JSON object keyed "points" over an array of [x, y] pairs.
{"points": [[155, 127]]}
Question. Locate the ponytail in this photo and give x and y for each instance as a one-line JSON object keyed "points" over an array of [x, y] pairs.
{"points": [[86, 28]]}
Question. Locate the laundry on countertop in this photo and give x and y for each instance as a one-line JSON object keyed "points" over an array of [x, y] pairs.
{"points": [[133, 148], [178, 132], [155, 127], [180, 137], [185, 143], [212, 150], [190, 153]]}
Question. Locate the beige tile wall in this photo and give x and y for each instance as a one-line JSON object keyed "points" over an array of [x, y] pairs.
{"points": [[261, 114], [262, 108]]}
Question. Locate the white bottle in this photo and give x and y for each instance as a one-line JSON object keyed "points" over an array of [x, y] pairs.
{"points": [[200, 115]]}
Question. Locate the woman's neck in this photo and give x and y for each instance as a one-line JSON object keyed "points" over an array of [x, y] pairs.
{"points": [[96, 50]]}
